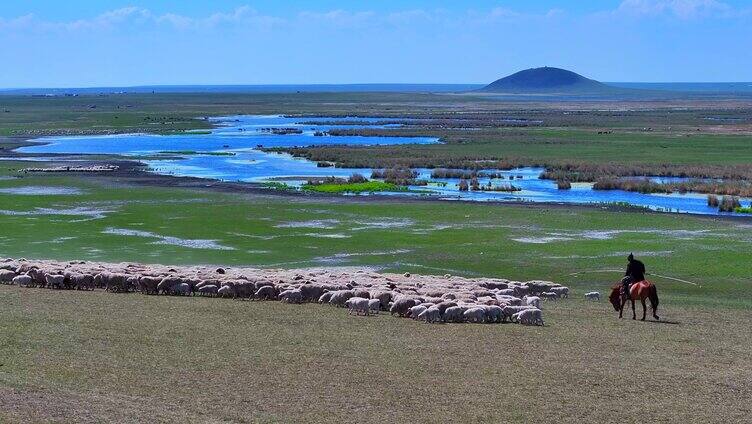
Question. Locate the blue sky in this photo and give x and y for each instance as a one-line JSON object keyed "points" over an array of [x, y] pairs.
{"points": [[120, 43]]}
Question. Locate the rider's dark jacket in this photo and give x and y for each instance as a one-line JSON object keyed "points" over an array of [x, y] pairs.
{"points": [[636, 270]]}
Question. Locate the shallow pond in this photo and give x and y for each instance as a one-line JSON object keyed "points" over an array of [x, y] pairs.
{"points": [[235, 156]]}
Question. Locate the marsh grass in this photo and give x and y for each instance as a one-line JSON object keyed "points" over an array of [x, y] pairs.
{"points": [[356, 188]]}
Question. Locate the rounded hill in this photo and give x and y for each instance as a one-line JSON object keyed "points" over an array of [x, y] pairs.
{"points": [[546, 80]]}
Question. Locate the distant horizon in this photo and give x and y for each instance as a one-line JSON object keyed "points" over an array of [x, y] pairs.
{"points": [[364, 84]]}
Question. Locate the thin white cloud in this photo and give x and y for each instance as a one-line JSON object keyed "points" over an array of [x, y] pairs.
{"points": [[247, 17], [135, 16], [682, 9]]}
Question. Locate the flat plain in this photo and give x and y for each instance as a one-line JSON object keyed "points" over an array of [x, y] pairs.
{"points": [[96, 357]]}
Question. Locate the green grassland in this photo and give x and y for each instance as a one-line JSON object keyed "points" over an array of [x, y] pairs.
{"points": [[519, 242]]}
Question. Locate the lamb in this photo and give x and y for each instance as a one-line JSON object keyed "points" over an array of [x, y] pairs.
{"points": [[453, 314], [402, 306], [415, 311], [374, 306], [291, 296], [593, 296], [357, 305], [266, 293], [561, 291], [430, 315], [54, 281], [23, 280], [532, 301], [475, 314], [529, 317]]}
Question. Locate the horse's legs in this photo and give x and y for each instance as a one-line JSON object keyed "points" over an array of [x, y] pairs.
{"points": [[621, 309], [634, 314], [644, 309]]}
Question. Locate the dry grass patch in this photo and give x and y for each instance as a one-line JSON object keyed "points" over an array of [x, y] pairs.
{"points": [[104, 357]]}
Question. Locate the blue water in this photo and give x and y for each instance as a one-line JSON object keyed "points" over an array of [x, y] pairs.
{"points": [[241, 135]]}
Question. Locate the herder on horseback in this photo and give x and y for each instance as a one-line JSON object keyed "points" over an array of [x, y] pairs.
{"points": [[632, 287], [635, 273]]}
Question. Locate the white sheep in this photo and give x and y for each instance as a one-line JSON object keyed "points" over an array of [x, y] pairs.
{"points": [[549, 296], [374, 306], [54, 281], [531, 316], [224, 291], [291, 296], [430, 315], [476, 315], [509, 300], [416, 310], [453, 314], [339, 297], [209, 289], [593, 296], [532, 301], [357, 305], [494, 313], [23, 280], [561, 291]]}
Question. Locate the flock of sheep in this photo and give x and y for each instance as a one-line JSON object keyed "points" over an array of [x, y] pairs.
{"points": [[433, 299]]}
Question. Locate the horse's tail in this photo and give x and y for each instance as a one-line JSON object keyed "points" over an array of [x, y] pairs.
{"points": [[653, 296]]}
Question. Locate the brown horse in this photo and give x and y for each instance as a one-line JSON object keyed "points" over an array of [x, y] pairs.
{"points": [[641, 290]]}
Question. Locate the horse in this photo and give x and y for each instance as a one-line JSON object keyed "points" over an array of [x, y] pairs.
{"points": [[640, 290]]}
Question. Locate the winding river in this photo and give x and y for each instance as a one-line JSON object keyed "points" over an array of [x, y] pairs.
{"points": [[230, 152]]}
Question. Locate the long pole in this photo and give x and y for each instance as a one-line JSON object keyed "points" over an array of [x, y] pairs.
{"points": [[648, 273]]}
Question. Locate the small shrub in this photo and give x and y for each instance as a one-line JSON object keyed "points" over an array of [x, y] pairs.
{"points": [[563, 185], [729, 204], [357, 178]]}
